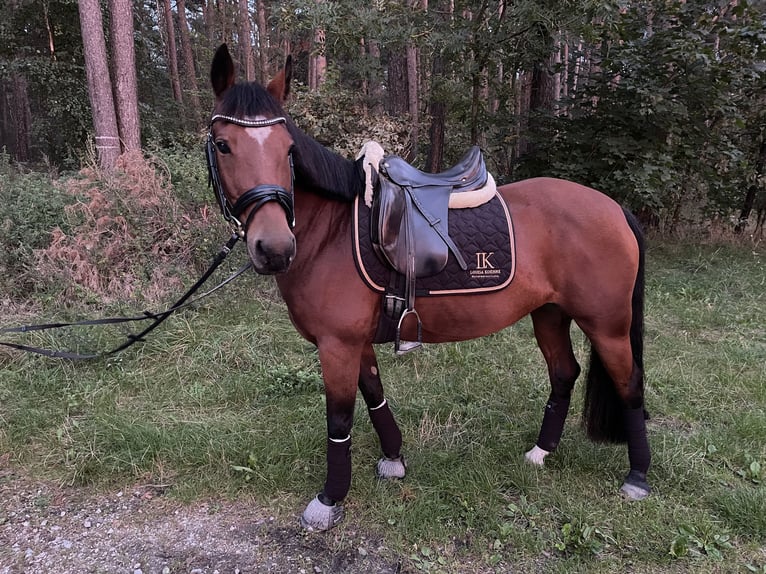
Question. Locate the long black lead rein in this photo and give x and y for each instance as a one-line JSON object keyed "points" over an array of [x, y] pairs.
{"points": [[157, 318]]}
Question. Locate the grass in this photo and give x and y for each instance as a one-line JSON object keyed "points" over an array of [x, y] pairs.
{"points": [[226, 400]]}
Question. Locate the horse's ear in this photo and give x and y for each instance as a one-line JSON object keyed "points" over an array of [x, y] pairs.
{"points": [[222, 71], [279, 86]]}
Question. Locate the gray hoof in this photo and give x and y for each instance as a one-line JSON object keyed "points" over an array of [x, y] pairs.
{"points": [[635, 486], [391, 468], [318, 516]]}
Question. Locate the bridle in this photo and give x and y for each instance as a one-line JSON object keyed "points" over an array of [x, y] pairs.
{"points": [[257, 196]]}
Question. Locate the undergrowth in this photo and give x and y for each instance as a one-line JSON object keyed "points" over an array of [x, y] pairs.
{"points": [[101, 237]]}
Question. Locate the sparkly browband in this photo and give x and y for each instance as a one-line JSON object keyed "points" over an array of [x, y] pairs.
{"points": [[248, 123]]}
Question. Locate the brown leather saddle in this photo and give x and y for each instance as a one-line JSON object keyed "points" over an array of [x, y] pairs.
{"points": [[409, 223]]}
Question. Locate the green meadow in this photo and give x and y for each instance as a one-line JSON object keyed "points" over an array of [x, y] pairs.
{"points": [[225, 400]]}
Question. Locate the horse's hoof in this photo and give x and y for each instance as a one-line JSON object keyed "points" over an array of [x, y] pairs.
{"points": [[391, 468], [536, 456], [319, 516], [635, 486]]}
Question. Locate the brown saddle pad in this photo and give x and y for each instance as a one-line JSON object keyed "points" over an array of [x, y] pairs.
{"points": [[484, 235]]}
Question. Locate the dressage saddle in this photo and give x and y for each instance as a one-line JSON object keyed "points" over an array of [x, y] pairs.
{"points": [[410, 212], [409, 226]]}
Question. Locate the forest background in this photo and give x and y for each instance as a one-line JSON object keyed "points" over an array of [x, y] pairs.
{"points": [[657, 103]]}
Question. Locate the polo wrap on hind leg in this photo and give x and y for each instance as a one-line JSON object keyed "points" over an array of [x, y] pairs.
{"points": [[556, 410], [338, 481], [638, 444], [388, 431]]}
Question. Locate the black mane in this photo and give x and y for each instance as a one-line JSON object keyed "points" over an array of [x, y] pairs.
{"points": [[321, 170]]}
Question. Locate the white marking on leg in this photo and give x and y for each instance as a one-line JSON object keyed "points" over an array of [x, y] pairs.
{"points": [[536, 456], [340, 440]]}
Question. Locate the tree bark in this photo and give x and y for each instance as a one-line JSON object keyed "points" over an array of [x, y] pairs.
{"points": [[318, 60], [245, 43], [99, 83], [21, 119], [263, 42], [125, 83], [188, 56], [752, 190], [397, 101], [170, 49], [413, 101], [438, 112]]}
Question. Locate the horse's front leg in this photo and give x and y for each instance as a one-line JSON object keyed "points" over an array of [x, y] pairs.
{"points": [[392, 464], [340, 363]]}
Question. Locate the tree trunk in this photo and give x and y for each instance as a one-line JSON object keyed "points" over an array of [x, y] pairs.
{"points": [[191, 73], [318, 60], [438, 112], [263, 42], [125, 83], [413, 100], [99, 83], [397, 101], [752, 190], [376, 85], [21, 119], [245, 41], [170, 48]]}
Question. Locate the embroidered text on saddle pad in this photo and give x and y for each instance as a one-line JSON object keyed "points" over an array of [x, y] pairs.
{"points": [[484, 235]]}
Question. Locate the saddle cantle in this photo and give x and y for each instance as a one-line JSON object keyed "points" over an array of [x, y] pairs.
{"points": [[466, 175], [410, 211]]}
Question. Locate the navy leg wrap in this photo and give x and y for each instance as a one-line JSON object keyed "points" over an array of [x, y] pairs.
{"points": [[638, 444], [553, 422], [338, 480], [388, 431]]}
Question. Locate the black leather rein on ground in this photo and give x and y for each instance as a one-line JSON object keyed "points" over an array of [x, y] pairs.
{"points": [[157, 318]]}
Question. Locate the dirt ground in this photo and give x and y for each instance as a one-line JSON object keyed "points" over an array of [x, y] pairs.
{"points": [[45, 528]]}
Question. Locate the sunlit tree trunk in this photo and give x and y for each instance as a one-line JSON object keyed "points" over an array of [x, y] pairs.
{"points": [[124, 66], [99, 83]]}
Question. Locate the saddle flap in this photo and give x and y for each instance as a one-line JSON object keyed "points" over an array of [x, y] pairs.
{"points": [[401, 232]]}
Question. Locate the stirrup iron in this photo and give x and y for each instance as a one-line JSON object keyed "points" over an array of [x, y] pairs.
{"points": [[404, 347]]}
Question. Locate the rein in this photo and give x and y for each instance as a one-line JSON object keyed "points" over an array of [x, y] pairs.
{"points": [[157, 318], [255, 197]]}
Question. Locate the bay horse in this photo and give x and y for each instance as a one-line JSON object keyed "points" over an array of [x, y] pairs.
{"points": [[580, 257]]}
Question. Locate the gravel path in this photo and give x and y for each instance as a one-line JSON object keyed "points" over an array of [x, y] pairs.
{"points": [[48, 529]]}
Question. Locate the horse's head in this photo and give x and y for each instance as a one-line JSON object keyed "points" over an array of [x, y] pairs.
{"points": [[248, 151]]}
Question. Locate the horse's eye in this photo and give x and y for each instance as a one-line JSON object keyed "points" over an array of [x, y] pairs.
{"points": [[222, 146]]}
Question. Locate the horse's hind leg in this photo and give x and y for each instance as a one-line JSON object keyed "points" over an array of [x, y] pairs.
{"points": [[614, 407], [392, 465], [551, 327]]}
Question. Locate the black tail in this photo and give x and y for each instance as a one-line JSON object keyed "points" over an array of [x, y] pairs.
{"points": [[603, 410]]}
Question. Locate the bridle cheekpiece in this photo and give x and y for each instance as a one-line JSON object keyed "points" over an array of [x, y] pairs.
{"points": [[257, 196]]}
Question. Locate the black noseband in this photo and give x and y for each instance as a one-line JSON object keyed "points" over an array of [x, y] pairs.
{"points": [[260, 195]]}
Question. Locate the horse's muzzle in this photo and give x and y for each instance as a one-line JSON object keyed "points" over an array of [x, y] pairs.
{"points": [[271, 255]]}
